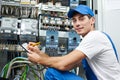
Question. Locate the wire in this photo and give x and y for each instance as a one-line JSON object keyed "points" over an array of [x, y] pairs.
{"points": [[23, 77], [21, 65], [10, 66], [26, 64], [38, 68], [6, 68]]}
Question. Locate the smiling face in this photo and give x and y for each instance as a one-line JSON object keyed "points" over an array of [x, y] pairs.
{"points": [[83, 23]]}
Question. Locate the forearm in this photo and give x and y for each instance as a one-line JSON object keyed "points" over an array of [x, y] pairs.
{"points": [[66, 62], [61, 63], [55, 62]]}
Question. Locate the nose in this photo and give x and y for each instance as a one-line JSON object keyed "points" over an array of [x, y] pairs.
{"points": [[77, 24]]}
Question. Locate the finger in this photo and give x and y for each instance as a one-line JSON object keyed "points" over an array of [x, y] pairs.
{"points": [[29, 58], [30, 48], [35, 49], [34, 58]]}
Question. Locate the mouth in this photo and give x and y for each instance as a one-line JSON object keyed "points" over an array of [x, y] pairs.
{"points": [[78, 29]]}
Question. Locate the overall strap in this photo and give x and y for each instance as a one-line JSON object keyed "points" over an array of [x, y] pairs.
{"points": [[88, 71], [112, 45]]}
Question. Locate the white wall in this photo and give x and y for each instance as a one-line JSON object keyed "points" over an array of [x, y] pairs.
{"points": [[97, 5], [109, 20]]}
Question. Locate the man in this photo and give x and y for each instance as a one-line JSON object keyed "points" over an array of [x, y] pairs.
{"points": [[95, 47]]}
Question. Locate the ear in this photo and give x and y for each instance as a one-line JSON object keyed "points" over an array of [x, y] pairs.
{"points": [[92, 20]]}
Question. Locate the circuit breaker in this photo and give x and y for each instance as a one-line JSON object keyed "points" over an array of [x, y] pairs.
{"points": [[73, 40], [52, 42]]}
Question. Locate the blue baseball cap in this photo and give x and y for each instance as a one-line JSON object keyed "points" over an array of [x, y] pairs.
{"points": [[82, 9]]}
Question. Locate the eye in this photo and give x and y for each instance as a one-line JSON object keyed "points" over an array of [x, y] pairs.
{"points": [[73, 20], [81, 18]]}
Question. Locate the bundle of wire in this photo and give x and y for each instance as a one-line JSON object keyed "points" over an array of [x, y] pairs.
{"points": [[28, 67]]}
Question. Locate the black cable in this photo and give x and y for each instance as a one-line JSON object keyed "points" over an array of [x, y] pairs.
{"points": [[20, 43], [23, 47]]}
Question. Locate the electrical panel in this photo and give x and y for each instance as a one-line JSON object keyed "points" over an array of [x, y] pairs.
{"points": [[22, 22], [18, 25], [13, 34]]}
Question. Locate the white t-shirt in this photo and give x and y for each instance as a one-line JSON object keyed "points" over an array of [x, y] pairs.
{"points": [[100, 56]]}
